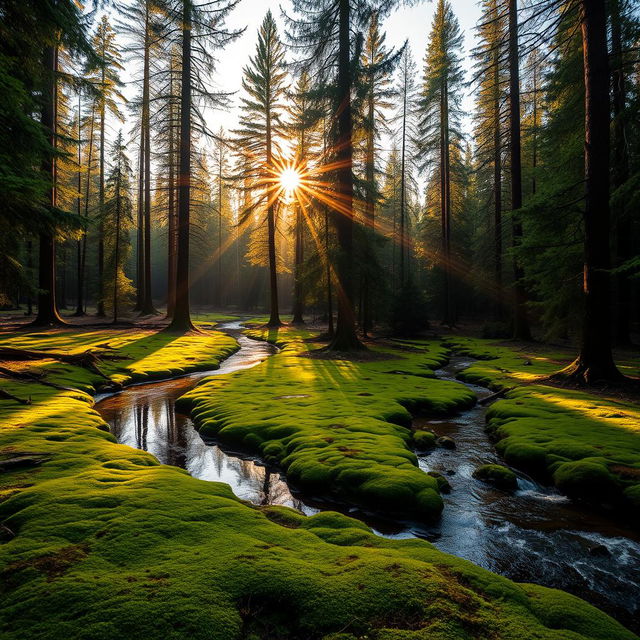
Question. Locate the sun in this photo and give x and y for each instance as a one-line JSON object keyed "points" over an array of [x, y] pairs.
{"points": [[289, 180]]}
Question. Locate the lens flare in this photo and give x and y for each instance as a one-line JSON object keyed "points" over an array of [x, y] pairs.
{"points": [[289, 179]]}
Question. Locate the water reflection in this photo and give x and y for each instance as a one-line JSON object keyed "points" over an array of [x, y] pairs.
{"points": [[145, 417]]}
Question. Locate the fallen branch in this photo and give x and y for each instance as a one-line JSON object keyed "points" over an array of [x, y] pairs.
{"points": [[5, 395], [87, 359], [25, 376], [495, 396], [21, 460]]}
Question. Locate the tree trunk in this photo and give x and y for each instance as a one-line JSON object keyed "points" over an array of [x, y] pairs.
{"points": [[30, 276], [147, 301], [219, 253], [87, 196], [79, 266], [100, 302], [402, 183], [116, 251], [445, 203], [330, 328], [345, 338], [497, 186], [140, 226], [171, 215], [47, 309], [620, 174], [595, 360], [521, 330], [181, 317], [298, 303], [62, 304], [274, 318]]}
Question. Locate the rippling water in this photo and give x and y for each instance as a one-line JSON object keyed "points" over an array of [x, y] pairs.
{"points": [[534, 535]]}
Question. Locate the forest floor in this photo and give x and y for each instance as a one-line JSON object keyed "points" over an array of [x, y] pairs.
{"points": [[587, 442], [98, 540]]}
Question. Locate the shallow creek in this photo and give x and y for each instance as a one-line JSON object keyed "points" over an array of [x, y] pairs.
{"points": [[534, 535]]}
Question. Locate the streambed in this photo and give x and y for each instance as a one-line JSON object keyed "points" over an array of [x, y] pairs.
{"points": [[533, 535]]}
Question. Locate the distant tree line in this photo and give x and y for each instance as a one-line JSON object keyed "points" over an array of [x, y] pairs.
{"points": [[400, 217]]}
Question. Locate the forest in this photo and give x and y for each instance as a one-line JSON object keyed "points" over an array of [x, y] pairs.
{"points": [[319, 319]]}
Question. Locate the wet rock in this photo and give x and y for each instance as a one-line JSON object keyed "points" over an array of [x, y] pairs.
{"points": [[446, 442], [424, 440], [497, 476], [443, 483], [599, 550], [450, 472]]}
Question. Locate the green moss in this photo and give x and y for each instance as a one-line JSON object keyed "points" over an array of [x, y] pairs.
{"points": [[443, 483], [498, 476], [586, 480], [145, 354], [100, 542], [587, 443], [423, 440], [336, 426]]}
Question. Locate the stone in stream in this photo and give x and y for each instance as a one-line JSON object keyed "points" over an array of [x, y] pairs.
{"points": [[446, 442], [599, 550], [497, 476], [443, 483], [423, 440]]}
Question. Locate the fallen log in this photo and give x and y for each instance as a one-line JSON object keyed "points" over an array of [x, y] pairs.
{"points": [[87, 359], [495, 396]]}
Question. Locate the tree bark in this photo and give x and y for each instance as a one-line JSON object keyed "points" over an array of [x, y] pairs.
{"points": [[345, 338], [218, 292], [140, 227], [274, 318], [497, 181], [402, 183], [116, 251], [595, 360], [147, 300], [620, 174], [181, 317], [171, 215], [47, 308], [445, 203], [330, 327], [298, 302], [521, 329], [79, 266], [100, 302]]}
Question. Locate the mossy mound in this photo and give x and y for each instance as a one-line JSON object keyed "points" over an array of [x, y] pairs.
{"points": [[498, 476], [338, 428], [588, 444], [423, 440], [99, 541]]}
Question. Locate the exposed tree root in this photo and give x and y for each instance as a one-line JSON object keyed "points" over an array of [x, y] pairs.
{"points": [[5, 395], [87, 359], [26, 376], [584, 374]]}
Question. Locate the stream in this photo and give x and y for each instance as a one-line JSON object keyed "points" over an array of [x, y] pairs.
{"points": [[533, 535]]}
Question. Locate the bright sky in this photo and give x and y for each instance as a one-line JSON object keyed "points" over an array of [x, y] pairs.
{"points": [[406, 23]]}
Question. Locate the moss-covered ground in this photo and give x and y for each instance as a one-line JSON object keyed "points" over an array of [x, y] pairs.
{"points": [[99, 541], [142, 354], [586, 442], [337, 427]]}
